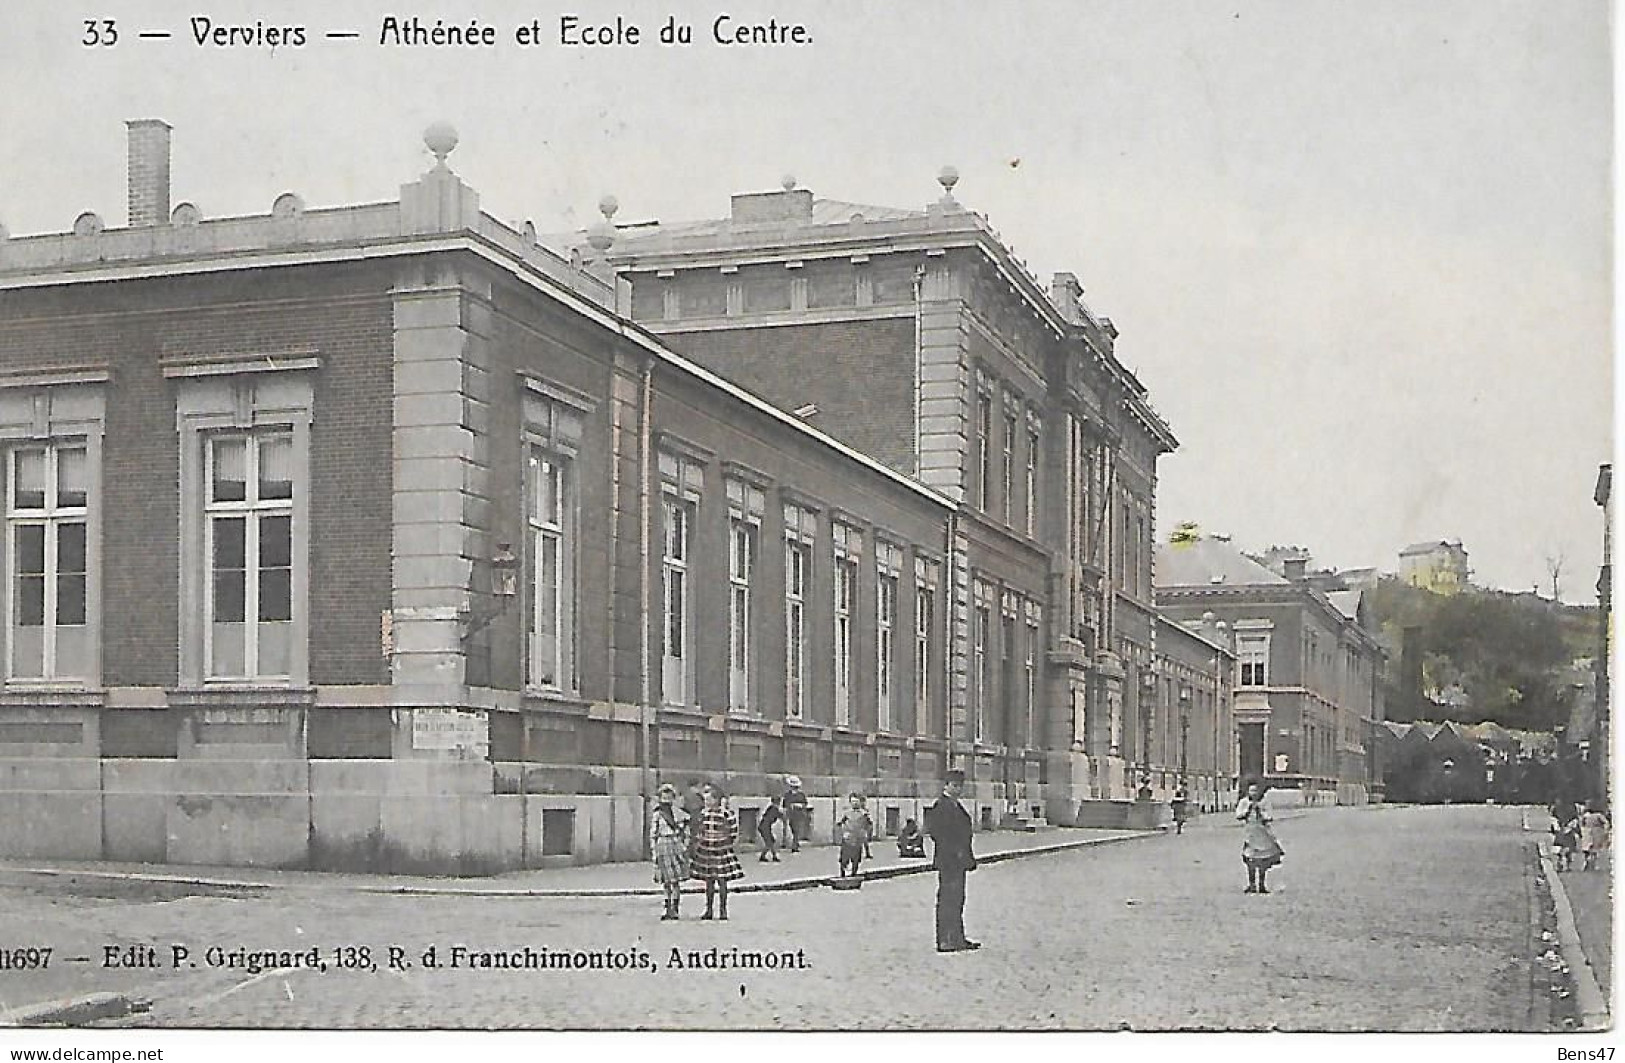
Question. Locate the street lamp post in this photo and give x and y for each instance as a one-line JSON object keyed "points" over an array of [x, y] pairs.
{"points": [[1184, 730], [1148, 702]]}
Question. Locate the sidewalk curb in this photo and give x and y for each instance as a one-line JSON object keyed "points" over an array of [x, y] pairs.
{"points": [[415, 890], [1589, 997], [74, 1011]]}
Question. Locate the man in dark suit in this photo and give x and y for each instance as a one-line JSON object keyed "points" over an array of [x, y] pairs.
{"points": [[950, 828]]}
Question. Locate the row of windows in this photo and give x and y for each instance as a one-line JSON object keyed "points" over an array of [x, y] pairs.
{"points": [[680, 510], [247, 530], [1017, 474]]}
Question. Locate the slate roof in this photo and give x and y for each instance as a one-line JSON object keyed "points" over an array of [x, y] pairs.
{"points": [[1209, 562]]}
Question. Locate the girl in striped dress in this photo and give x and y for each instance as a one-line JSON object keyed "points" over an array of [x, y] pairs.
{"points": [[714, 861], [668, 845]]}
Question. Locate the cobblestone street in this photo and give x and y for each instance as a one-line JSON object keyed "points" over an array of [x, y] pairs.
{"points": [[1392, 919]]}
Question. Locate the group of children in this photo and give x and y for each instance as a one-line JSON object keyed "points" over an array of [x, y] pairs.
{"points": [[1572, 830], [697, 839]]}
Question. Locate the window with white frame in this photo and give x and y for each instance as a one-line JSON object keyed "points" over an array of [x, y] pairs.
{"points": [[552, 439], [800, 533], [248, 539], [745, 507], [680, 483], [1035, 616], [1252, 659], [848, 547], [888, 569], [245, 515], [1007, 469], [1034, 443], [984, 440], [925, 608], [981, 636], [1009, 692], [47, 521], [550, 526]]}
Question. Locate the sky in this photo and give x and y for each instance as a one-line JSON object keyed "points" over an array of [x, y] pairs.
{"points": [[1359, 252]]}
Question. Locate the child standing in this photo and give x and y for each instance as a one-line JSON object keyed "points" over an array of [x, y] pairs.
{"points": [[714, 861], [1260, 850], [854, 830], [668, 845]]}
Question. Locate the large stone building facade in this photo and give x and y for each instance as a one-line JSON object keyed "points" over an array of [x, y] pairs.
{"points": [[380, 537], [917, 336]]}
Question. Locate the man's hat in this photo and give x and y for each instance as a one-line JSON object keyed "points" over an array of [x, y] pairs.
{"points": [[954, 776], [793, 781]]}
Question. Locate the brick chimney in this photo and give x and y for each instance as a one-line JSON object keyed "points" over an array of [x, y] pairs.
{"points": [[1064, 292], [762, 208], [1294, 568], [149, 172]]}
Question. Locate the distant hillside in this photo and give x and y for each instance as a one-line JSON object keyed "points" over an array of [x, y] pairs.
{"points": [[1480, 654]]}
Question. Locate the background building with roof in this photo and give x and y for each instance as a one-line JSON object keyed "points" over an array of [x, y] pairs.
{"points": [[1440, 567], [1308, 693]]}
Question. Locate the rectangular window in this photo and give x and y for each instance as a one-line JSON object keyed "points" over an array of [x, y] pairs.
{"points": [[1031, 491], [925, 604], [1007, 470], [248, 539], [800, 532], [981, 636], [675, 598], [551, 549], [984, 442], [1252, 660], [886, 646], [741, 643], [46, 515], [846, 594], [1007, 673]]}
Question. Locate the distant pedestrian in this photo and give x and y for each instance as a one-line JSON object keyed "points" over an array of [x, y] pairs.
{"points": [[1565, 834], [767, 829], [1181, 806], [910, 842], [1593, 836], [668, 846], [1260, 850], [950, 828], [715, 862], [853, 830], [795, 812]]}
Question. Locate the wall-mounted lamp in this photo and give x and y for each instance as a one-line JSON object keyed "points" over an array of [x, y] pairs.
{"points": [[503, 580]]}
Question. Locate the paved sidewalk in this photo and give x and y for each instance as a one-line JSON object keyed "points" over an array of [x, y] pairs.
{"points": [[813, 866]]}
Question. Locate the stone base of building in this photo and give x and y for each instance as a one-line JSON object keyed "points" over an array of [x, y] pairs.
{"points": [[428, 817]]}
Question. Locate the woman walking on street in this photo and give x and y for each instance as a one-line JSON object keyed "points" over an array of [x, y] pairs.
{"points": [[715, 863], [1260, 850], [1593, 836], [668, 845]]}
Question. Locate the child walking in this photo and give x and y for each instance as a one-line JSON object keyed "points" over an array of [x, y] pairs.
{"points": [[668, 846], [767, 828], [715, 863], [854, 831]]}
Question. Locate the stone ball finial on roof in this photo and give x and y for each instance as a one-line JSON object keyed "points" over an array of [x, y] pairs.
{"points": [[947, 177], [440, 138], [287, 205], [87, 224], [185, 216], [607, 206], [788, 182]]}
